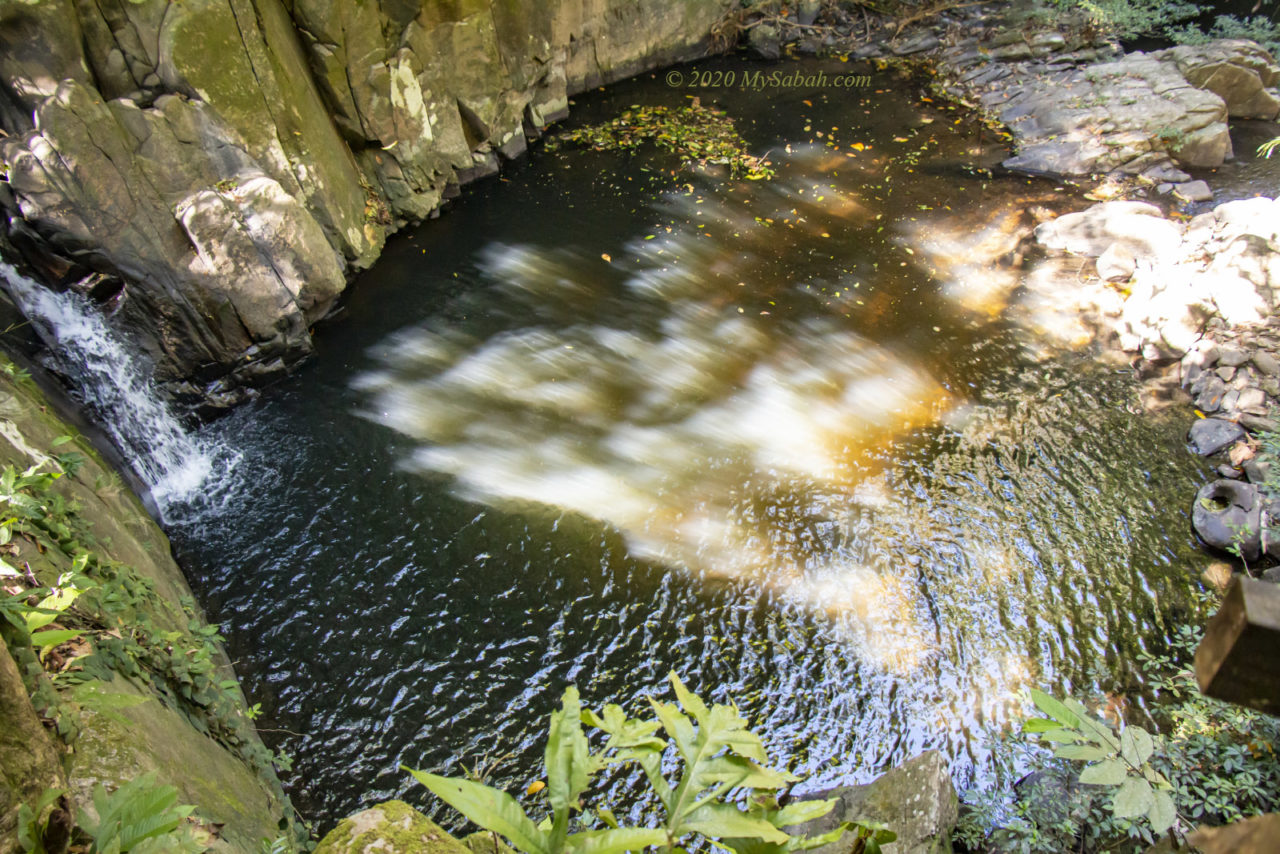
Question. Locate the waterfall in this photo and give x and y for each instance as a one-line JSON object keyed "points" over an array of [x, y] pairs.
{"points": [[117, 391]]}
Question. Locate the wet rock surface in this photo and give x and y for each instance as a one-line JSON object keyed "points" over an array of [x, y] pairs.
{"points": [[916, 799], [1077, 106]]}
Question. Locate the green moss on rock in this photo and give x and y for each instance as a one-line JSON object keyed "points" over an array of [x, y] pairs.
{"points": [[393, 827]]}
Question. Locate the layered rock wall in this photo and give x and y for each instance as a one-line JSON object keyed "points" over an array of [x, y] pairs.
{"points": [[222, 166]]}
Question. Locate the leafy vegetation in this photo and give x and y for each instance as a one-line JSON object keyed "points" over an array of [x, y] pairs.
{"points": [[73, 633], [139, 817], [1214, 762], [1175, 20], [1121, 762], [699, 135], [723, 766]]}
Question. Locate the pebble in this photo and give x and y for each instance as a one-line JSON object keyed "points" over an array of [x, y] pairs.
{"points": [[1252, 399]]}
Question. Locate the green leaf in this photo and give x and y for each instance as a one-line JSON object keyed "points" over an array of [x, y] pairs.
{"points": [[1061, 736], [808, 843], [1099, 732], [1136, 746], [1039, 725], [799, 812], [740, 772], [568, 762], [1134, 798], [719, 820], [614, 841], [1162, 814], [1080, 752], [488, 807], [690, 701], [40, 640], [675, 724], [1108, 773], [1054, 709]]}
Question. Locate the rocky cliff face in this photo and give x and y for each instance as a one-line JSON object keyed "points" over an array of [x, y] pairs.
{"points": [[221, 166], [144, 686]]}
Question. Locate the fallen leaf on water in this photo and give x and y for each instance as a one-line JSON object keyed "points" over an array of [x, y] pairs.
{"points": [[535, 787], [606, 256]]}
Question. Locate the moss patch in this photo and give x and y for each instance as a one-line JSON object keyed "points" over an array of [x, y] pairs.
{"points": [[393, 827]]}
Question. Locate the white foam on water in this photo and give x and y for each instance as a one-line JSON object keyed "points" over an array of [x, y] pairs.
{"points": [[117, 390]]}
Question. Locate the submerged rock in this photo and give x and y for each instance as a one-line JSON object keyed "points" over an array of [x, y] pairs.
{"points": [[916, 800]]}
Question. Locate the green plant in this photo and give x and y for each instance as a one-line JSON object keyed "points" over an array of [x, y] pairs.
{"points": [[32, 823], [1128, 18], [1268, 147], [1121, 762], [1220, 758], [1256, 28], [719, 756], [140, 817]]}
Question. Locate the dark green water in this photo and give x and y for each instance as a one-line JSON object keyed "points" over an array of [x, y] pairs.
{"points": [[798, 441]]}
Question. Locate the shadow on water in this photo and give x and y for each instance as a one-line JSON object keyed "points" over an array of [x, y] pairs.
{"points": [[798, 441]]}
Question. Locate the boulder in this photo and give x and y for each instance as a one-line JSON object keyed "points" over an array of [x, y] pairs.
{"points": [[1140, 228], [392, 827], [916, 800], [1238, 71], [1227, 515], [1210, 435]]}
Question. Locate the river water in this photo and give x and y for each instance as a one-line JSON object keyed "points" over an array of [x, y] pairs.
{"points": [[804, 442]]}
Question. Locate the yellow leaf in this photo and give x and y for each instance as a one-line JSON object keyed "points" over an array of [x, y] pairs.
{"points": [[606, 256], [535, 787]]}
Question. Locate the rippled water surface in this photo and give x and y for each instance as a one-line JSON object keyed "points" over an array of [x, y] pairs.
{"points": [[804, 442]]}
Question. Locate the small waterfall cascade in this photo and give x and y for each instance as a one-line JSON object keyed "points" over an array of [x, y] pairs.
{"points": [[116, 389]]}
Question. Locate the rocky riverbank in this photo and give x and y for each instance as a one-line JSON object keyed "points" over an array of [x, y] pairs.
{"points": [[1194, 305]]}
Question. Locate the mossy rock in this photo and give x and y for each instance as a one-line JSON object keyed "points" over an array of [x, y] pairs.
{"points": [[393, 827]]}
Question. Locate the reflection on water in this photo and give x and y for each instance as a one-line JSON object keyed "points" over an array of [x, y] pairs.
{"points": [[796, 440], [711, 437]]}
